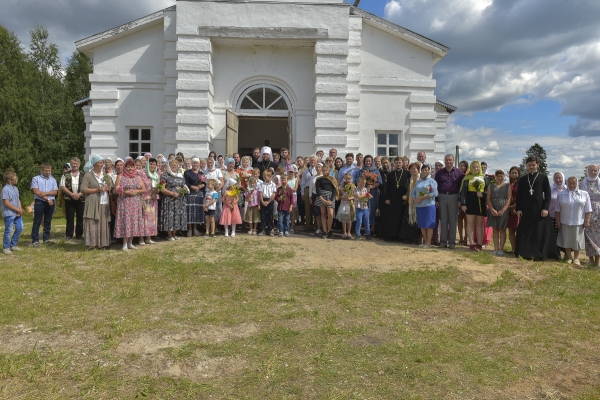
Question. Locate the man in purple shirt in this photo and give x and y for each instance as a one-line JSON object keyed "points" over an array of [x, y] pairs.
{"points": [[448, 180]]}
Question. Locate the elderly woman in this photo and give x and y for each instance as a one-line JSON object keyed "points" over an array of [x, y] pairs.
{"points": [[173, 216], [558, 186], [194, 179], [573, 211], [96, 216], [591, 184], [129, 222]]}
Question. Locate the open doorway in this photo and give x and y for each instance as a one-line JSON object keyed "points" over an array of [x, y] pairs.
{"points": [[262, 131]]}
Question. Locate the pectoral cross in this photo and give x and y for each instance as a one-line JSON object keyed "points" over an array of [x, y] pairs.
{"points": [[397, 186], [531, 192]]}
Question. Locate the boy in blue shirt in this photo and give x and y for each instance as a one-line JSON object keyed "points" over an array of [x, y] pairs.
{"points": [[12, 213]]}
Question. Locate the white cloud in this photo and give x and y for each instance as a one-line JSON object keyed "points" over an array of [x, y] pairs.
{"points": [[392, 9]]}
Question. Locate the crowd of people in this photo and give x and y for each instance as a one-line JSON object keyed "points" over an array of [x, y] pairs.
{"points": [[271, 194]]}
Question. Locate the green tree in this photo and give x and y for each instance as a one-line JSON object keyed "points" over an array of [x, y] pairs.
{"points": [[17, 109], [537, 151], [77, 86]]}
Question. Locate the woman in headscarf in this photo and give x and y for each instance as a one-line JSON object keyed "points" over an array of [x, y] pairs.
{"points": [[173, 216], [591, 184], [129, 187], [212, 172], [573, 210], [96, 215], [473, 195], [373, 178], [535, 235], [498, 201], [151, 179], [195, 181], [558, 186], [513, 220], [409, 229]]}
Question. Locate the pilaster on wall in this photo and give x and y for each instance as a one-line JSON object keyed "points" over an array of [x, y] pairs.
{"points": [[440, 136], [102, 125], [194, 104], [353, 80], [171, 81], [422, 129], [331, 88], [87, 134]]}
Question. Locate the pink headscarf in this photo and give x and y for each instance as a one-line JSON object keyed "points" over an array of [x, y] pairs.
{"points": [[127, 174]]}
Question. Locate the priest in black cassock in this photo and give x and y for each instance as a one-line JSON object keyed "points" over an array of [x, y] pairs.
{"points": [[394, 190], [536, 239]]}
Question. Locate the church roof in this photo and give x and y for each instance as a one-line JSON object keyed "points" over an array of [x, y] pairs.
{"points": [[122, 30], [449, 107], [437, 48], [111, 34]]}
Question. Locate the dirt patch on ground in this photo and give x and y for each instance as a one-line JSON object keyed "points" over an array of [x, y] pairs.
{"points": [[23, 339], [151, 342]]}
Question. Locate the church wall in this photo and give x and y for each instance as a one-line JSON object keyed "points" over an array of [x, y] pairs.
{"points": [[127, 90], [290, 68], [397, 93], [140, 53]]}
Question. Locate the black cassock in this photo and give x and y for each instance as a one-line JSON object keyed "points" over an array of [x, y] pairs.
{"points": [[535, 235], [394, 190]]}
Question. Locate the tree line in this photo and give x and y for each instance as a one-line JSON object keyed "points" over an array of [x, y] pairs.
{"points": [[38, 121]]}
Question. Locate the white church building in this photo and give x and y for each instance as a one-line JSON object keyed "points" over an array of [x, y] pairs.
{"points": [[231, 75]]}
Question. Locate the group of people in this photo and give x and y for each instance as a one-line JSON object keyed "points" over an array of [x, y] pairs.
{"points": [[364, 196]]}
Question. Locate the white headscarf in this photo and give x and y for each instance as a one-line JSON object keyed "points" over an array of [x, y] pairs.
{"points": [[555, 186], [584, 182], [264, 150], [177, 174]]}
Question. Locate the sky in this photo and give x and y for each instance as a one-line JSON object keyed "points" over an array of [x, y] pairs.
{"points": [[519, 71]]}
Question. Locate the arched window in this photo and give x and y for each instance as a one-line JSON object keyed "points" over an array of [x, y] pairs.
{"points": [[263, 98]]}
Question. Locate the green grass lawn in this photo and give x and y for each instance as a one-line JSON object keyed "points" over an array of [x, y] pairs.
{"points": [[222, 318]]}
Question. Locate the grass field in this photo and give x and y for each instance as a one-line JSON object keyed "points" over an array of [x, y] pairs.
{"points": [[239, 319]]}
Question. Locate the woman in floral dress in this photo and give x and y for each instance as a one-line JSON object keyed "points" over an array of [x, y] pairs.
{"points": [[129, 187], [173, 216], [150, 201], [592, 233]]}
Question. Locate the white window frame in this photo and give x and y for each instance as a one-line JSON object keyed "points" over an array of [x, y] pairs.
{"points": [[387, 146], [264, 109], [139, 140]]}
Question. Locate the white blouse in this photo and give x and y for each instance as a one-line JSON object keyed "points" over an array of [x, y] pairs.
{"points": [[573, 205]]}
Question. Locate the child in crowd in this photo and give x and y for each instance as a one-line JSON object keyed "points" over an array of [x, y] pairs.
{"points": [[346, 210], [279, 172], [12, 213], [361, 205], [253, 205], [267, 192], [284, 199], [256, 174], [210, 207], [231, 212]]}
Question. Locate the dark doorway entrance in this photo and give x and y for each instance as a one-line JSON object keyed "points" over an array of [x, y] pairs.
{"points": [[262, 131]]}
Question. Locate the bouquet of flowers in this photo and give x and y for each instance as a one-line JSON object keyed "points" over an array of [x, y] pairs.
{"points": [[282, 193], [160, 186], [348, 189], [478, 183], [242, 178], [365, 200], [183, 190], [233, 191], [370, 177], [425, 191]]}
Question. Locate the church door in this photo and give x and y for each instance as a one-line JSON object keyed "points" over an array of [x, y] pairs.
{"points": [[231, 139]]}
